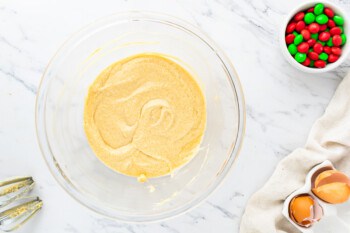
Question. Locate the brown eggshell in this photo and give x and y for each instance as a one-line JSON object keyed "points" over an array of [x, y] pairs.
{"points": [[332, 186], [304, 210], [319, 171]]}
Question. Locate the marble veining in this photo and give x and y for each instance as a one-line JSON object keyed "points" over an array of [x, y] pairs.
{"points": [[282, 102]]}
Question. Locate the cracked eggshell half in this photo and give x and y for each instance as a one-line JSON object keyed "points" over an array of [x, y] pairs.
{"points": [[336, 218], [306, 189]]}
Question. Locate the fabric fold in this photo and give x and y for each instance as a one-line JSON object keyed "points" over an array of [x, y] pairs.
{"points": [[329, 139]]}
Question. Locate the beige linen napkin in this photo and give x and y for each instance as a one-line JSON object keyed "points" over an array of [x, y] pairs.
{"points": [[329, 139]]}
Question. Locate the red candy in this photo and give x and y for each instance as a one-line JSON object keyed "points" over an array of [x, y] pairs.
{"points": [[300, 26], [335, 31], [311, 42], [306, 62], [337, 40], [318, 48], [327, 50], [328, 12], [290, 38], [324, 36], [299, 16], [331, 23], [311, 10], [291, 27], [313, 56], [320, 64], [323, 27], [336, 51], [306, 34], [313, 28], [303, 47], [332, 58]]}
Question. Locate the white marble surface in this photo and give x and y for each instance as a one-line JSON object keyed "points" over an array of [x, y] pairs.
{"points": [[282, 103]]}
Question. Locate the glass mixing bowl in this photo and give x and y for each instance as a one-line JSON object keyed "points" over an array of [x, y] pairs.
{"points": [[60, 105]]}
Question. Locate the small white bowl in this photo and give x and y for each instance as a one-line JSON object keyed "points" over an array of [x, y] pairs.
{"points": [[335, 217], [345, 48]]}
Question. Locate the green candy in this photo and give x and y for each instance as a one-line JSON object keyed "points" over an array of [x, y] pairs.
{"points": [[318, 9], [314, 36], [300, 57], [343, 39], [330, 42], [321, 42], [295, 33], [298, 39], [312, 63], [322, 19], [341, 28], [338, 20], [292, 48], [309, 18], [323, 56]]}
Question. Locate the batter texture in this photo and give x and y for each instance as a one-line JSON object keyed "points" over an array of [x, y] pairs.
{"points": [[145, 116]]}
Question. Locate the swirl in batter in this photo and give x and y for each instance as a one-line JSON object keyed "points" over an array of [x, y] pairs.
{"points": [[145, 116]]}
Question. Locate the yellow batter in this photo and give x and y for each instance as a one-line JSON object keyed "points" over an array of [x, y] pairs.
{"points": [[145, 116]]}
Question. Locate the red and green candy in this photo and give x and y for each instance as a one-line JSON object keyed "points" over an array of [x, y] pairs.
{"points": [[315, 37]]}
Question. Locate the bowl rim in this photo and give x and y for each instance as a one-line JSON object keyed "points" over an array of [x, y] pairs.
{"points": [[289, 16], [234, 148]]}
